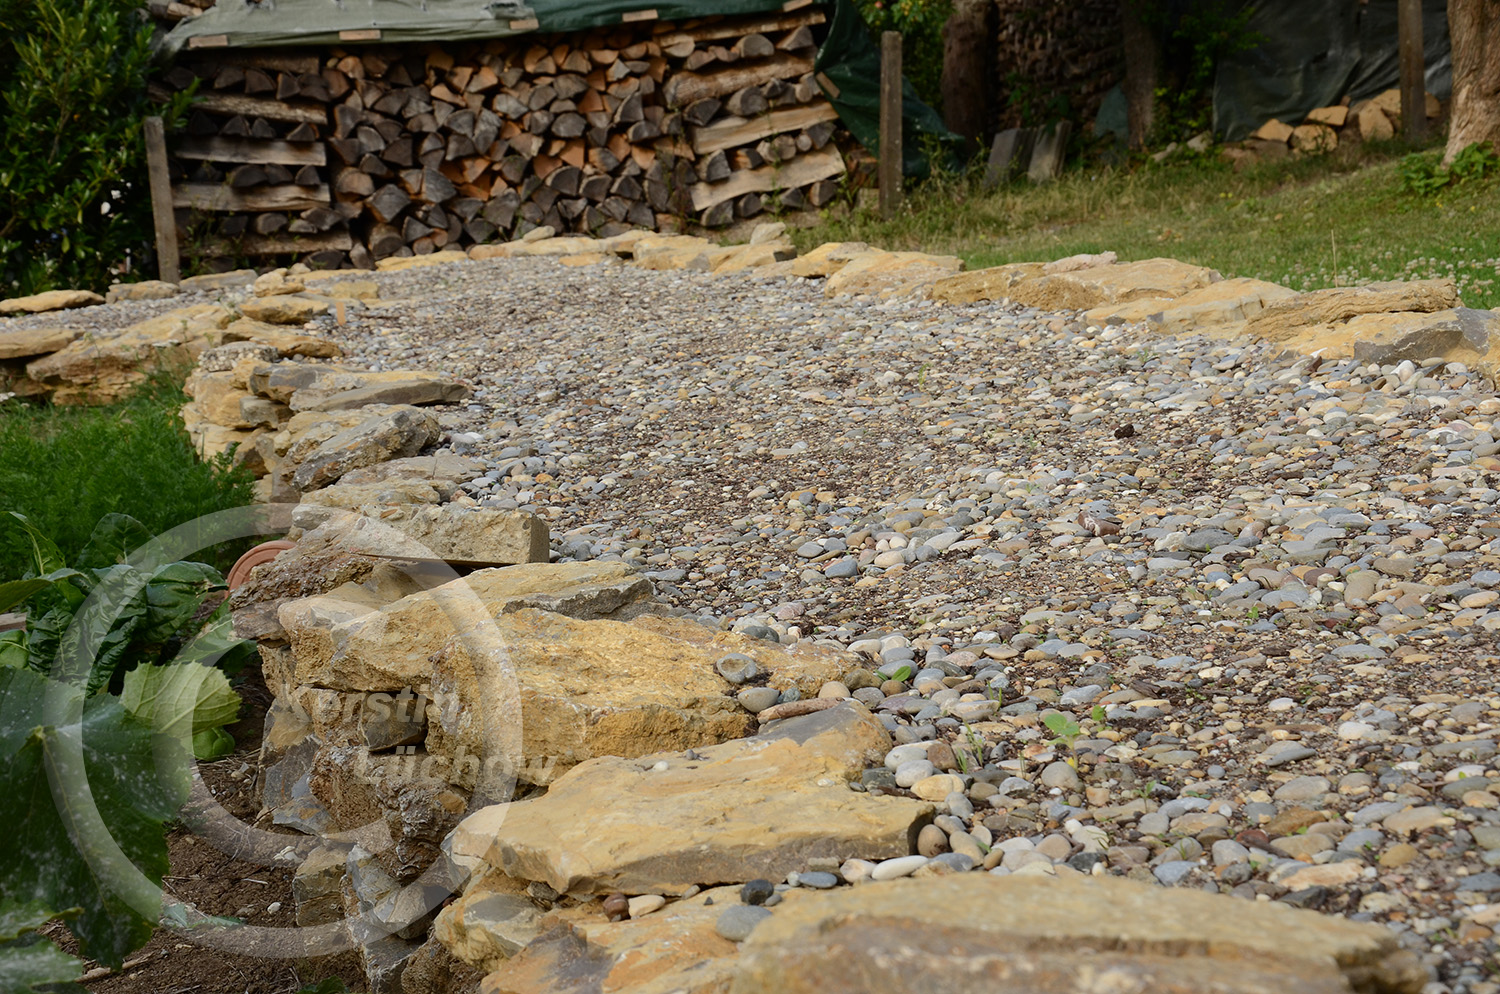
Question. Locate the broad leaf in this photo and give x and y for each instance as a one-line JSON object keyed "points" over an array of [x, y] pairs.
{"points": [[114, 538], [217, 645], [45, 556], [14, 648], [185, 701], [14, 592], [173, 595], [92, 793], [29, 964]]}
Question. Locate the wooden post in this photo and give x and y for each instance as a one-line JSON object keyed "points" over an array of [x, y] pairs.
{"points": [[161, 201], [1413, 88], [890, 124]]}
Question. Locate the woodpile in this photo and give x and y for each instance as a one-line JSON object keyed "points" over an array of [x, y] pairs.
{"points": [[351, 156], [1054, 60], [1324, 129]]}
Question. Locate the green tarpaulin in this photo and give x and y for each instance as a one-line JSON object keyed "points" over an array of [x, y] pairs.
{"points": [[849, 58]]}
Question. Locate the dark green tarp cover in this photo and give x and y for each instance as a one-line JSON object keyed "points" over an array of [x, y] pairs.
{"points": [[1315, 53], [848, 58]]}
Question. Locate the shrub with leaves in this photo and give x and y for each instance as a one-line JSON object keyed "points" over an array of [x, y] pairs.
{"points": [[1422, 174], [921, 25], [73, 192]]}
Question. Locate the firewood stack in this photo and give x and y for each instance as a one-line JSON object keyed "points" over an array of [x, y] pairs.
{"points": [[361, 154], [1056, 60]]}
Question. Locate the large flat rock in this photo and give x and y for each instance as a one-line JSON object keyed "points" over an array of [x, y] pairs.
{"points": [[20, 343], [1080, 289], [103, 370], [409, 526], [402, 432], [1285, 320], [757, 807], [891, 274], [673, 951], [51, 300], [979, 934], [1215, 308]]}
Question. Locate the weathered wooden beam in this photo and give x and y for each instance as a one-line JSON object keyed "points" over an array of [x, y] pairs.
{"points": [[889, 164], [1413, 86], [686, 87], [824, 163], [737, 27], [278, 244], [219, 149], [273, 110], [729, 132], [167, 263], [217, 197]]}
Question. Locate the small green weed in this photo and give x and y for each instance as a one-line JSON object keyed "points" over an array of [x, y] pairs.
{"points": [[1422, 174]]}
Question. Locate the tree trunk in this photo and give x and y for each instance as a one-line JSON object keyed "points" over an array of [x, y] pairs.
{"points": [[1474, 32], [966, 84], [1142, 55]]}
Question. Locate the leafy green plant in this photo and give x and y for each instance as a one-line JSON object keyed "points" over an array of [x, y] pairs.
{"points": [[1195, 38], [135, 628], [73, 190], [1065, 731], [921, 25], [1422, 175], [67, 467], [98, 786]]}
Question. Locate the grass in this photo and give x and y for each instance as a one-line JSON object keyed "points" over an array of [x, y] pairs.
{"points": [[66, 467], [1336, 220]]}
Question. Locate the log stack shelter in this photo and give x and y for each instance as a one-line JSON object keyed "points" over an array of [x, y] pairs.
{"points": [[342, 133]]}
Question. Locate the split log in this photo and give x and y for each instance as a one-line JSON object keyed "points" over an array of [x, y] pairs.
{"points": [[205, 197], [804, 169], [272, 110], [686, 87]]}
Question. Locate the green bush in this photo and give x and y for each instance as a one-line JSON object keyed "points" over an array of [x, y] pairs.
{"points": [[921, 25], [73, 192], [67, 467]]}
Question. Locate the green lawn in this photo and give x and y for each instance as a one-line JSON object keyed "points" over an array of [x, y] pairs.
{"points": [[1307, 223]]}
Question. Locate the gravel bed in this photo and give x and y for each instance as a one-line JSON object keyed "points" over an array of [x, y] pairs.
{"points": [[1256, 590]]}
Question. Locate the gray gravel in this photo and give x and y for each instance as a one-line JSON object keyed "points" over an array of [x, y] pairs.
{"points": [[1183, 610]]}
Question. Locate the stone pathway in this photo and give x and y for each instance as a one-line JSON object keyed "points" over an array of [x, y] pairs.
{"points": [[1258, 588]]}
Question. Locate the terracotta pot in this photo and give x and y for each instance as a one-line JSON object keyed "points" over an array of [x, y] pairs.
{"points": [[262, 553]]}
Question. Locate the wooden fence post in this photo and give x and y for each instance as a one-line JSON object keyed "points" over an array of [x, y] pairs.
{"points": [[890, 124], [1413, 88], [161, 201]]}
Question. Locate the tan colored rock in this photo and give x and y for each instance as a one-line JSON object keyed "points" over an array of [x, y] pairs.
{"points": [[219, 281], [396, 264], [1374, 124], [51, 300], [1273, 131], [352, 497], [362, 290], [570, 245], [587, 259], [285, 342], [1282, 320], [974, 933], [1227, 302], [1462, 334], [995, 283], [386, 645], [490, 922], [478, 536], [1334, 116], [892, 274], [23, 343], [1085, 288], [275, 283], [738, 258], [1314, 138], [828, 258], [1084, 260], [445, 470], [216, 399], [103, 370], [802, 666], [283, 309], [677, 950], [404, 431], [757, 807], [1390, 103], [386, 387], [673, 252], [144, 290]]}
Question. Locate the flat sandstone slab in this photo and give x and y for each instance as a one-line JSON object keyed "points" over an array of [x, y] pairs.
{"points": [[977, 934], [757, 807], [52, 300]]}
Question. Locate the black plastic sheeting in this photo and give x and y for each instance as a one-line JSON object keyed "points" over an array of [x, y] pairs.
{"points": [[1322, 51], [848, 58]]}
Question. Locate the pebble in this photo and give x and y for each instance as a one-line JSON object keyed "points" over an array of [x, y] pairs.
{"points": [[901, 866], [1289, 616], [737, 922], [644, 904], [757, 891]]}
